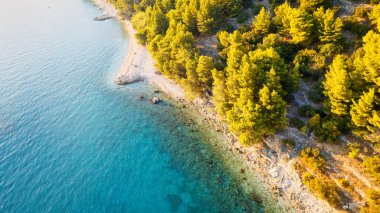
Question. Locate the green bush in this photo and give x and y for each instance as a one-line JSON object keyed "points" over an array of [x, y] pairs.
{"points": [[372, 166], [354, 149], [316, 92], [356, 27], [329, 130], [361, 12], [314, 121], [312, 159], [373, 205], [296, 122], [310, 63], [304, 129], [315, 96], [344, 183], [306, 111], [323, 188]]}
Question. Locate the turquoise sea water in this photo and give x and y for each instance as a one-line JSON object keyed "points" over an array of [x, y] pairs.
{"points": [[72, 141]]}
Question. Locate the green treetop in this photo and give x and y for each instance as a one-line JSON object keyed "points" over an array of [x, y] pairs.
{"points": [[209, 15], [330, 29], [204, 68], [261, 24], [219, 92], [283, 15], [301, 25], [337, 86], [310, 5], [371, 58], [365, 116], [375, 16]]}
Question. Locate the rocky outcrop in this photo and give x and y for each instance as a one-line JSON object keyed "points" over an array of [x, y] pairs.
{"points": [[128, 79], [103, 17]]}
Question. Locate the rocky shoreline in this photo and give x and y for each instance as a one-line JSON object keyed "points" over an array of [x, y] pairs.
{"points": [[272, 160]]}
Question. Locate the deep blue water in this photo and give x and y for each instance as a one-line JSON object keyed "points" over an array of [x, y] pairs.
{"points": [[72, 141]]}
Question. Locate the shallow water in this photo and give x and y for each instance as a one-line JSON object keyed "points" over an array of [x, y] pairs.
{"points": [[70, 140]]}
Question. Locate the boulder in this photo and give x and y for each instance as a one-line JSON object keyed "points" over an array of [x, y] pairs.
{"points": [[155, 100]]}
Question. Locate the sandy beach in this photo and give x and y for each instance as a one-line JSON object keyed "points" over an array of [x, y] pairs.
{"points": [[138, 62]]}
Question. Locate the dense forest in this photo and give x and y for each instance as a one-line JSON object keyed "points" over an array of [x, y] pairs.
{"points": [[260, 57]]}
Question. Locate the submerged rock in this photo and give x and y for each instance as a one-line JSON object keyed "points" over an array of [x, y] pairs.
{"points": [[155, 100], [174, 201]]}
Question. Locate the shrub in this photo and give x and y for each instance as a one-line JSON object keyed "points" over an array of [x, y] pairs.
{"points": [[329, 129], [372, 166], [344, 183], [354, 149], [289, 142], [323, 188], [373, 205], [310, 63], [304, 129], [315, 96], [361, 13], [330, 50], [314, 121], [356, 27], [296, 122], [306, 111], [313, 159]]}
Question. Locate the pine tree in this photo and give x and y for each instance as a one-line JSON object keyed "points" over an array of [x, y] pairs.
{"points": [[140, 22], [204, 68], [191, 83], [189, 19], [371, 58], [273, 82], [294, 22], [330, 28], [270, 112], [261, 24], [337, 86], [158, 24], [365, 116], [232, 70], [240, 117], [375, 16], [165, 5], [301, 26], [283, 15], [230, 8], [267, 59], [219, 92], [208, 16], [310, 5]]}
